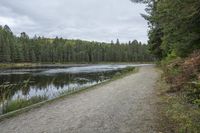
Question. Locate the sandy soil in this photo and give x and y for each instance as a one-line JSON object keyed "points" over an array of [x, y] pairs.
{"points": [[125, 105]]}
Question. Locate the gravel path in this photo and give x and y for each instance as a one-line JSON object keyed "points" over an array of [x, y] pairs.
{"points": [[125, 105]]}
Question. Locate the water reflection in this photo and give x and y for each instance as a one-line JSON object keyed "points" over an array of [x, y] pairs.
{"points": [[27, 87], [23, 87]]}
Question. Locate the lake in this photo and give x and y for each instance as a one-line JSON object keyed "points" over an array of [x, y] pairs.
{"points": [[23, 87]]}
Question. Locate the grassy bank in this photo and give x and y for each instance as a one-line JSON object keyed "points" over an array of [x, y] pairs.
{"points": [[177, 115], [20, 106], [21, 103], [179, 91]]}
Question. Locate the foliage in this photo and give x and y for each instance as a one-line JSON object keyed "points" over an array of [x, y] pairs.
{"points": [[38, 49], [128, 69], [185, 75], [178, 115], [21, 103], [174, 26], [174, 34]]}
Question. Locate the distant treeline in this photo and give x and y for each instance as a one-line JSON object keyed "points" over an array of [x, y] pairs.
{"points": [[40, 49]]}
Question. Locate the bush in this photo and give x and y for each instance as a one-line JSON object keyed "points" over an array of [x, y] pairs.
{"points": [[128, 69], [184, 75]]}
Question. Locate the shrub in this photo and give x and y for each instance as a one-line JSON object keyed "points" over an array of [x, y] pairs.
{"points": [[184, 74]]}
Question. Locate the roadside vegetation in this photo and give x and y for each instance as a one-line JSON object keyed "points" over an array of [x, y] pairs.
{"points": [[176, 114], [184, 75], [180, 87], [174, 39], [21, 103]]}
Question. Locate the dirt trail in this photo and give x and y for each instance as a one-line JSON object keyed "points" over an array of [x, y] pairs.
{"points": [[123, 106]]}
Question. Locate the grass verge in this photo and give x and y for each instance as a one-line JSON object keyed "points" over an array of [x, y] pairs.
{"points": [[176, 114], [21, 103]]}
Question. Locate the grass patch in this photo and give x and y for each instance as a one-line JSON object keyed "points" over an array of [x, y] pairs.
{"points": [[21, 103], [176, 113]]}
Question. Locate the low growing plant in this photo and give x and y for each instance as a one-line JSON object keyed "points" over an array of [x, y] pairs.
{"points": [[21, 103]]}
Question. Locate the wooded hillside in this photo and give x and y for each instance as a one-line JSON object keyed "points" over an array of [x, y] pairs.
{"points": [[40, 49]]}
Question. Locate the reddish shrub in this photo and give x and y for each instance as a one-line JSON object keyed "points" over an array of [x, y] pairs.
{"points": [[180, 73]]}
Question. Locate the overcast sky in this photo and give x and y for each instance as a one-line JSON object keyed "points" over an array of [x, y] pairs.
{"points": [[99, 20]]}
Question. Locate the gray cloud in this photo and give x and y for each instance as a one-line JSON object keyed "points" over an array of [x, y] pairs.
{"points": [[100, 20]]}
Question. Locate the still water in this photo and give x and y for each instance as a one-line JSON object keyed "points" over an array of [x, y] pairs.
{"points": [[38, 84]]}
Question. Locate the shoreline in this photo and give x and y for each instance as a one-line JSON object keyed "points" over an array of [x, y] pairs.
{"points": [[64, 95], [59, 65]]}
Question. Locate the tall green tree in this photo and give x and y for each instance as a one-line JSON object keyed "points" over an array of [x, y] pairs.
{"points": [[5, 44], [174, 26]]}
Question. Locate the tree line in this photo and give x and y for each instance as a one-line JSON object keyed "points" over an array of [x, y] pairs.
{"points": [[174, 27], [46, 50]]}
